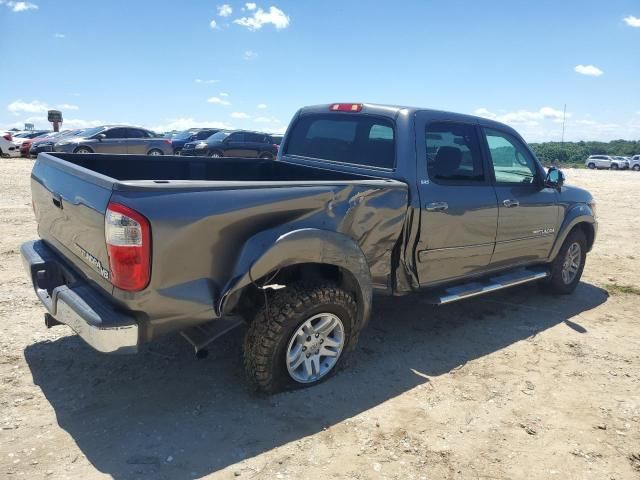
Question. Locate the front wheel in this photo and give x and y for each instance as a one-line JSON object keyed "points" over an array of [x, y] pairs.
{"points": [[614, 166], [636, 168], [216, 155], [300, 337], [568, 265], [83, 150], [155, 152], [266, 156]]}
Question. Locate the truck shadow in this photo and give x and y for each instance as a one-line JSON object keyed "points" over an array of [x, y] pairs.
{"points": [[162, 414]]}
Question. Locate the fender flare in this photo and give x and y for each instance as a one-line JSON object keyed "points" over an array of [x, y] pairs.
{"points": [[269, 251], [581, 213]]}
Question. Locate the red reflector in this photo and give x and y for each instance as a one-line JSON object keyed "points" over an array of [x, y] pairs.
{"points": [[346, 107], [128, 237]]}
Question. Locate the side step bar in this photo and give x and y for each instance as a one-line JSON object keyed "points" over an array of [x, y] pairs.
{"points": [[491, 284]]}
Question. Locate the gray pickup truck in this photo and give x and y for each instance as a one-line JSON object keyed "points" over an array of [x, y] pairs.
{"points": [[361, 199]]}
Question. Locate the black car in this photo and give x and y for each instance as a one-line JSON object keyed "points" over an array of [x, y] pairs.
{"points": [[234, 143], [193, 134]]}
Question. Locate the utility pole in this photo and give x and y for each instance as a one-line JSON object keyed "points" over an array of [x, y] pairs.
{"points": [[564, 118]]}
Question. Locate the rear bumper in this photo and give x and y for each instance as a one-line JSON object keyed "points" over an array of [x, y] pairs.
{"points": [[72, 301]]}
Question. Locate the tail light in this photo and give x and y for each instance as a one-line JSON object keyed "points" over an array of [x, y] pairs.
{"points": [[276, 146], [128, 237], [8, 137], [168, 142]]}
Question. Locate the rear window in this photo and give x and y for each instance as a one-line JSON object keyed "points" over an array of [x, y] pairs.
{"points": [[356, 139]]}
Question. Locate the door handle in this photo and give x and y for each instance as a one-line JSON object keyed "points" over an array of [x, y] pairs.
{"points": [[436, 206], [57, 201], [511, 203]]}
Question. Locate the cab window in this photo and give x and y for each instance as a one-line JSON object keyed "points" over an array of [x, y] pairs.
{"points": [[453, 154], [512, 162]]}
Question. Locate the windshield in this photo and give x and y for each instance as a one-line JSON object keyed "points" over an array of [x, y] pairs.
{"points": [[186, 135], [218, 137], [90, 132]]}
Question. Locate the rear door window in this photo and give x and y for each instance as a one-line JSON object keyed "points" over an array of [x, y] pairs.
{"points": [[453, 154], [356, 139], [136, 133], [237, 137]]}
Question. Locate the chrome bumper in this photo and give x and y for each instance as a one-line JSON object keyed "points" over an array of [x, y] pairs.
{"points": [[72, 301]]}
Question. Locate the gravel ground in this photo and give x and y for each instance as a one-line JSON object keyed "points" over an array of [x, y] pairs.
{"points": [[514, 385]]}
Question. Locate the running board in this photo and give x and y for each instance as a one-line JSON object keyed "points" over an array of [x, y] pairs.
{"points": [[488, 285]]}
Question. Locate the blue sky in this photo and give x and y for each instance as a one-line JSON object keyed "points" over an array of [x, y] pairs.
{"points": [[169, 65]]}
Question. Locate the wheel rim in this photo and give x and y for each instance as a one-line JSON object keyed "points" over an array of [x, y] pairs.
{"points": [[83, 150], [215, 155], [315, 347], [571, 264], [155, 153]]}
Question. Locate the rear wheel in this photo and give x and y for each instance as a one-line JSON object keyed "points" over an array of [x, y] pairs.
{"points": [[592, 165], [568, 265], [636, 168], [299, 338], [216, 154], [155, 152], [614, 166], [266, 156], [83, 150]]}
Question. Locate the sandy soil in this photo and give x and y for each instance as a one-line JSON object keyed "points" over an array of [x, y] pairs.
{"points": [[514, 385]]}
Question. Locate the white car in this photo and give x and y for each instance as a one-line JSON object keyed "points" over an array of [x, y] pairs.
{"points": [[634, 163], [18, 138], [606, 161], [7, 147]]}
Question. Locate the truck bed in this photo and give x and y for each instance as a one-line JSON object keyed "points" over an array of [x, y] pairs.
{"points": [[206, 215], [161, 168]]}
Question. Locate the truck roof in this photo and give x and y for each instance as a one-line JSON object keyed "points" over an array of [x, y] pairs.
{"points": [[393, 111]]}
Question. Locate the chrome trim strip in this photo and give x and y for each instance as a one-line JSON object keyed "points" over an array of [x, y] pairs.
{"points": [[492, 288]]}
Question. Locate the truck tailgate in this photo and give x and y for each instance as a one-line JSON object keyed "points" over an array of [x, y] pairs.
{"points": [[70, 203]]}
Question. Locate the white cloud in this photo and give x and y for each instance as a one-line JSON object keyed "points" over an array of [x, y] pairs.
{"points": [[525, 117], [590, 70], [240, 115], [249, 55], [632, 21], [266, 120], [225, 10], [67, 106], [186, 123], [218, 101], [58, 35], [213, 25], [274, 16], [199, 80], [19, 6], [250, 6], [223, 94], [262, 106], [32, 107]]}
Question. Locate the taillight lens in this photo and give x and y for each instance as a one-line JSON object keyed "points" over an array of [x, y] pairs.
{"points": [[128, 237], [276, 146], [8, 137]]}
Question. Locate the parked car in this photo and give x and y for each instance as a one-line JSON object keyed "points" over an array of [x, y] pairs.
{"points": [[634, 163], [234, 143], [605, 161], [361, 198], [116, 139], [194, 134], [45, 144], [25, 146], [7, 147], [18, 138]]}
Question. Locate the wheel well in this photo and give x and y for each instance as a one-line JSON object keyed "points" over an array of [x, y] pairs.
{"points": [[251, 297], [588, 231], [83, 146]]}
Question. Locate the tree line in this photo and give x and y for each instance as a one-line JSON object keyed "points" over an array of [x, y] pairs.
{"points": [[577, 152]]}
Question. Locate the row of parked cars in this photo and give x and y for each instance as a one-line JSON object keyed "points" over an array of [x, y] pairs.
{"points": [[212, 142], [613, 162]]}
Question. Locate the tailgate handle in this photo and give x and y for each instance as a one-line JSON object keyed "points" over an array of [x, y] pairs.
{"points": [[57, 201]]}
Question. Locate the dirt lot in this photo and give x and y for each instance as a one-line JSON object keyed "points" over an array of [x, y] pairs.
{"points": [[515, 385]]}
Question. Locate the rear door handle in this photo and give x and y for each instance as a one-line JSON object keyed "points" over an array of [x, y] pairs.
{"points": [[57, 201], [511, 203], [436, 206]]}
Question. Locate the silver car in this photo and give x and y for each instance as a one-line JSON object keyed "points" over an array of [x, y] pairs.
{"points": [[116, 139]]}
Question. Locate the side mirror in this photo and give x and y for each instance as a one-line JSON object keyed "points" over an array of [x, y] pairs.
{"points": [[101, 136], [554, 179]]}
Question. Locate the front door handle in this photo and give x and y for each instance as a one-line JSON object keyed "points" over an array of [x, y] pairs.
{"points": [[436, 206], [511, 203]]}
